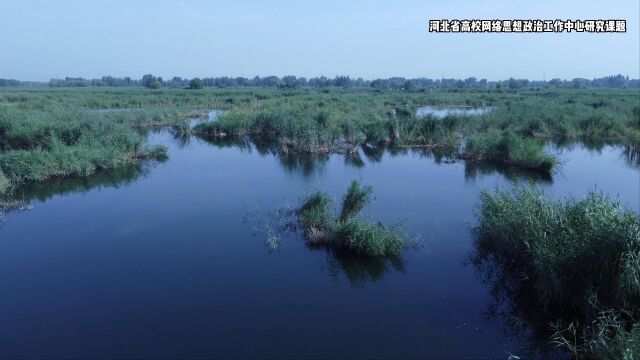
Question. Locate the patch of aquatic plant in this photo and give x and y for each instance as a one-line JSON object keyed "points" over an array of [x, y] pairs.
{"points": [[509, 149], [354, 200], [182, 127], [317, 219], [5, 183], [366, 238], [75, 161], [38, 144], [321, 227], [574, 264]]}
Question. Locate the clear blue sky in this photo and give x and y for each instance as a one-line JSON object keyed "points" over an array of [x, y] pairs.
{"points": [[361, 38]]}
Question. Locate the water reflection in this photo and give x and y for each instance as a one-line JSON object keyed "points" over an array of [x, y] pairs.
{"points": [[113, 178], [359, 270], [373, 153], [354, 159], [311, 164], [515, 308], [476, 169], [631, 154]]}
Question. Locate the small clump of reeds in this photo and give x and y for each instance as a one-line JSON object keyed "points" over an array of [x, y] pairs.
{"points": [[510, 149], [321, 227]]}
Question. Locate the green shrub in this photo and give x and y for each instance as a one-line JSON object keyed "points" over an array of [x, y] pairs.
{"points": [[196, 83]]}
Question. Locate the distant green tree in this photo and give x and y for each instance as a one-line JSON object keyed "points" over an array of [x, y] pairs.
{"points": [[555, 82], [289, 81], [196, 83], [517, 83], [148, 80]]}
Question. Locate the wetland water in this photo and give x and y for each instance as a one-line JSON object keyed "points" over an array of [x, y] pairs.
{"points": [[442, 111], [171, 260]]}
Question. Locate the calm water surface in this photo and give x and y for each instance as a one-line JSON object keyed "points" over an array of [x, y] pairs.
{"points": [[171, 260], [211, 117], [442, 111]]}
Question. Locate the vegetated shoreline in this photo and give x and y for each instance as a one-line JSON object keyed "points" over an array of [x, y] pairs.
{"points": [[47, 133], [55, 134], [331, 124]]}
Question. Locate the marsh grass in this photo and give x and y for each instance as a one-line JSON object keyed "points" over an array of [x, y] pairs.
{"points": [[363, 237], [5, 183], [342, 120], [43, 142], [509, 149], [68, 139], [317, 219], [322, 228], [354, 200], [574, 264]]}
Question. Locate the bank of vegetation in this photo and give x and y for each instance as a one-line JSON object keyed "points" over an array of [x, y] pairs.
{"points": [[47, 133], [570, 270], [514, 132], [321, 227]]}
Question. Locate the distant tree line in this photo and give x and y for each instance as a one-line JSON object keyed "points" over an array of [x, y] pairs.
{"points": [[291, 82]]}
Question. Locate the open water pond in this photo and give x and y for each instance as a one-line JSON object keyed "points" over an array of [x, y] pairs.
{"points": [[170, 260]]}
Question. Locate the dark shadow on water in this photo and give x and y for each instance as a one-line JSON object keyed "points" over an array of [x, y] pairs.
{"points": [[306, 163], [354, 159], [475, 169], [113, 178], [228, 142], [631, 154], [517, 311], [373, 153], [514, 305], [591, 144], [359, 270], [309, 164]]}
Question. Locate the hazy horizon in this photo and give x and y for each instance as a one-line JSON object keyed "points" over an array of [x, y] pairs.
{"points": [[368, 39]]}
